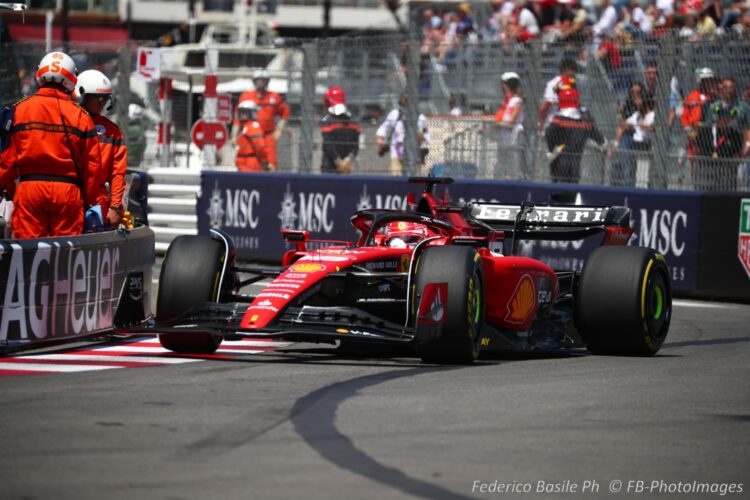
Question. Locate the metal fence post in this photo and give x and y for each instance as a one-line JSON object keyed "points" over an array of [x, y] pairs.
{"points": [[123, 89], [534, 161], [666, 65], [411, 144], [307, 130]]}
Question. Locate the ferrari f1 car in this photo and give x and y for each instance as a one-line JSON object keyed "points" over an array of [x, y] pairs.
{"points": [[446, 279]]}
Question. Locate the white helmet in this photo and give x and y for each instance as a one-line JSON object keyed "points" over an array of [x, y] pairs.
{"points": [[135, 112], [702, 73], [509, 75], [248, 104], [261, 73], [248, 109], [57, 67], [93, 82]]}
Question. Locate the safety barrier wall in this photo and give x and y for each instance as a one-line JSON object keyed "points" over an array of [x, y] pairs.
{"points": [[697, 233], [66, 287]]}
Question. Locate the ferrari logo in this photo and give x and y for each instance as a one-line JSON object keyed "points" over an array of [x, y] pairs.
{"points": [[405, 263]]}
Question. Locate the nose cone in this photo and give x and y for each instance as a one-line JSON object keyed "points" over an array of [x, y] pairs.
{"points": [[295, 280]]}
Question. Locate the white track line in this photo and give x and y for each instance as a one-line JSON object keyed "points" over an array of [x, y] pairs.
{"points": [[114, 359], [132, 348], [706, 305], [42, 367], [229, 343]]}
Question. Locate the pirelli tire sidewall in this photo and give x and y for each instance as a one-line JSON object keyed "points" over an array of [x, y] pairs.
{"points": [[190, 276], [456, 338], [623, 301]]}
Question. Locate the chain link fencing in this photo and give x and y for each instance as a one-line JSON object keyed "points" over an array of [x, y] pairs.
{"points": [[377, 70]]}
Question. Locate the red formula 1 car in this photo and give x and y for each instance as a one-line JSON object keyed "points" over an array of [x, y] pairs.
{"points": [[442, 278]]}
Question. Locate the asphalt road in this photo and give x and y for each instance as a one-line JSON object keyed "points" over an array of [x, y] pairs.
{"points": [[302, 423]]}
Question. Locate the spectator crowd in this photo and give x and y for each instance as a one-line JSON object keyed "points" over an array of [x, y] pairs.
{"points": [[609, 24]]}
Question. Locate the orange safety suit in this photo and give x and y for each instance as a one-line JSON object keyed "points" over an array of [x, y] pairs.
{"points": [[251, 151], [270, 106], [113, 156], [53, 152], [692, 114], [501, 110]]}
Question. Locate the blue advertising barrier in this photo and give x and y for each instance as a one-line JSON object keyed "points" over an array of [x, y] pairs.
{"points": [[253, 208]]}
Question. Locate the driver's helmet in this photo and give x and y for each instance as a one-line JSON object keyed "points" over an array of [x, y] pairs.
{"points": [[403, 233]]}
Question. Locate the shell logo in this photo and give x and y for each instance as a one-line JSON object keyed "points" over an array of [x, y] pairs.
{"points": [[308, 268], [522, 301]]}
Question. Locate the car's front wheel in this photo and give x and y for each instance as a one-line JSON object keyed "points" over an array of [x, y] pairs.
{"points": [[190, 276], [448, 304]]}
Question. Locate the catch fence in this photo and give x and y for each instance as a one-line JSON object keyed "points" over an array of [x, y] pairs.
{"points": [[375, 71]]}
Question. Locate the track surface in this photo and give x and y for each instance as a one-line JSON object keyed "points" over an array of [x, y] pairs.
{"points": [[301, 423]]}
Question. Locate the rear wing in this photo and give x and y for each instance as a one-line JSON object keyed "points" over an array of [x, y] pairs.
{"points": [[564, 222]]}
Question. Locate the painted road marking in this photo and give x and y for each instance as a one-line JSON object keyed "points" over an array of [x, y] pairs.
{"points": [[128, 353], [706, 305], [43, 367]]}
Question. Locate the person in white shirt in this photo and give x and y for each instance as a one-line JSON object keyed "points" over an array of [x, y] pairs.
{"points": [[454, 107], [641, 123], [509, 122], [607, 21], [509, 118], [391, 136]]}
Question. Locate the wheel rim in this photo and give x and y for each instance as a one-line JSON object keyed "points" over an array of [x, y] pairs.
{"points": [[658, 302], [475, 313], [477, 304], [658, 306]]}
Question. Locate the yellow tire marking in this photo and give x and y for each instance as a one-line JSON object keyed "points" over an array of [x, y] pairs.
{"points": [[643, 290]]}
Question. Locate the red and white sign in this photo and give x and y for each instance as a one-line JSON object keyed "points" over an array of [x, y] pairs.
{"points": [[212, 133], [149, 63], [224, 108], [743, 250]]}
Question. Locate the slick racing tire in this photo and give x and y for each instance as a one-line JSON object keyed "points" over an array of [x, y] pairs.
{"points": [[190, 276], [624, 301], [448, 305]]}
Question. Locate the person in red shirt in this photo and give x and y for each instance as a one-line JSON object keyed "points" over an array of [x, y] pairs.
{"points": [[272, 116], [94, 92], [251, 150], [567, 134], [53, 153], [339, 132]]}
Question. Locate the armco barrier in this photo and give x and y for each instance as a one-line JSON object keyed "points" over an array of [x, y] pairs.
{"points": [[66, 287], [253, 208]]}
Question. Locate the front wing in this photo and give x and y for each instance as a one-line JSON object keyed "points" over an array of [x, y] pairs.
{"points": [[297, 324]]}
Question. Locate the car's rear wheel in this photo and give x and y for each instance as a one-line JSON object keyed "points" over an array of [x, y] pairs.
{"points": [[448, 304], [190, 276], [624, 301]]}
